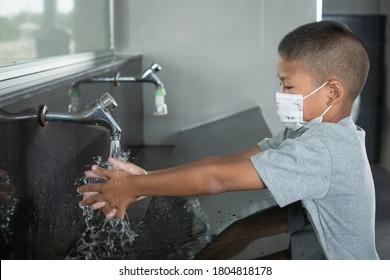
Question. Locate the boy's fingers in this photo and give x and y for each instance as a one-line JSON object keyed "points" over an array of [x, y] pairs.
{"points": [[88, 194], [90, 188], [107, 208], [91, 174], [91, 200], [120, 214], [102, 172], [126, 166], [111, 214], [116, 163], [98, 205]]}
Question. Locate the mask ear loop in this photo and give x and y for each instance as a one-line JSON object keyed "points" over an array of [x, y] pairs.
{"points": [[323, 114], [320, 87]]}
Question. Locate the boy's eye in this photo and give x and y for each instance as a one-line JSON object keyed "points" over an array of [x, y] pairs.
{"points": [[285, 87]]}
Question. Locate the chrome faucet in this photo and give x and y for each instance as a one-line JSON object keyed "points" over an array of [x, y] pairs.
{"points": [[6, 117], [148, 76], [97, 113]]}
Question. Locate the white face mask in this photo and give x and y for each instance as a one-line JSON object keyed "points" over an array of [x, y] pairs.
{"points": [[290, 110]]}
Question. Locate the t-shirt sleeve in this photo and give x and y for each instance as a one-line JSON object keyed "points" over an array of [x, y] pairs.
{"points": [[273, 142], [296, 170]]}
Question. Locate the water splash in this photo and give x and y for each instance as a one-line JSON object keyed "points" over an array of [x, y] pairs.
{"points": [[8, 207], [104, 239]]}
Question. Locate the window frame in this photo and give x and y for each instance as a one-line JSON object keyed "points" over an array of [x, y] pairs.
{"points": [[24, 79]]}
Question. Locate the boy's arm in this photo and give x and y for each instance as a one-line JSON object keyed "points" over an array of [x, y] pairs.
{"points": [[136, 170], [122, 188], [212, 160]]}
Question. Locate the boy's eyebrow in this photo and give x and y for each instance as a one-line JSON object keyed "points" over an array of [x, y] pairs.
{"points": [[282, 78]]}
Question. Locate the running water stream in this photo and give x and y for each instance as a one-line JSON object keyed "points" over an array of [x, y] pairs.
{"points": [[103, 239], [116, 152]]}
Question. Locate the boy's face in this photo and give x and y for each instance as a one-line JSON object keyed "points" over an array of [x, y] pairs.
{"points": [[294, 81]]}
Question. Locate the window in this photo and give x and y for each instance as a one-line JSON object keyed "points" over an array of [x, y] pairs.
{"points": [[43, 42], [37, 29]]}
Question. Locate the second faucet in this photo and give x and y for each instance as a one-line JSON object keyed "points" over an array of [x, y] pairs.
{"points": [[148, 76]]}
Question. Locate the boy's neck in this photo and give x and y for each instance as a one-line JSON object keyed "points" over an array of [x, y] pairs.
{"points": [[339, 113]]}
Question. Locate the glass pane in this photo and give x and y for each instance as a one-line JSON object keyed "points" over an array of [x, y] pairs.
{"points": [[33, 29]]}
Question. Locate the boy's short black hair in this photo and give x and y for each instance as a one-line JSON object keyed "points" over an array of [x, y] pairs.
{"points": [[328, 49]]}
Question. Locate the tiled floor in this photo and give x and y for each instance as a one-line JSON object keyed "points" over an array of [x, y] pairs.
{"points": [[382, 189]]}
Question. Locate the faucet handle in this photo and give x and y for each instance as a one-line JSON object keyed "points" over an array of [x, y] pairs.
{"points": [[155, 67], [108, 102], [42, 110]]}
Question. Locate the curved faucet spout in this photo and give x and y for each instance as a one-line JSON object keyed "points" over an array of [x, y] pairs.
{"points": [[6, 117], [98, 113]]}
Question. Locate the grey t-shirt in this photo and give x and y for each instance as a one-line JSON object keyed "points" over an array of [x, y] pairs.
{"points": [[325, 167]]}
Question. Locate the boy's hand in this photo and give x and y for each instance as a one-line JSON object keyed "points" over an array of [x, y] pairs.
{"points": [[115, 194], [109, 212], [133, 169], [126, 166], [118, 164]]}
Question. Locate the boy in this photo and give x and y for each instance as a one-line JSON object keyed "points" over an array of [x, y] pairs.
{"points": [[319, 159]]}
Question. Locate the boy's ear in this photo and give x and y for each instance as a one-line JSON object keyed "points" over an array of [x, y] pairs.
{"points": [[336, 91]]}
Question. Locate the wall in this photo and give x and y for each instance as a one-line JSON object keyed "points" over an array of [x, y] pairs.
{"points": [[385, 146], [218, 57], [370, 7], [351, 6]]}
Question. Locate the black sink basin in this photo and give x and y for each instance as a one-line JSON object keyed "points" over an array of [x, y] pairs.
{"points": [[41, 219]]}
